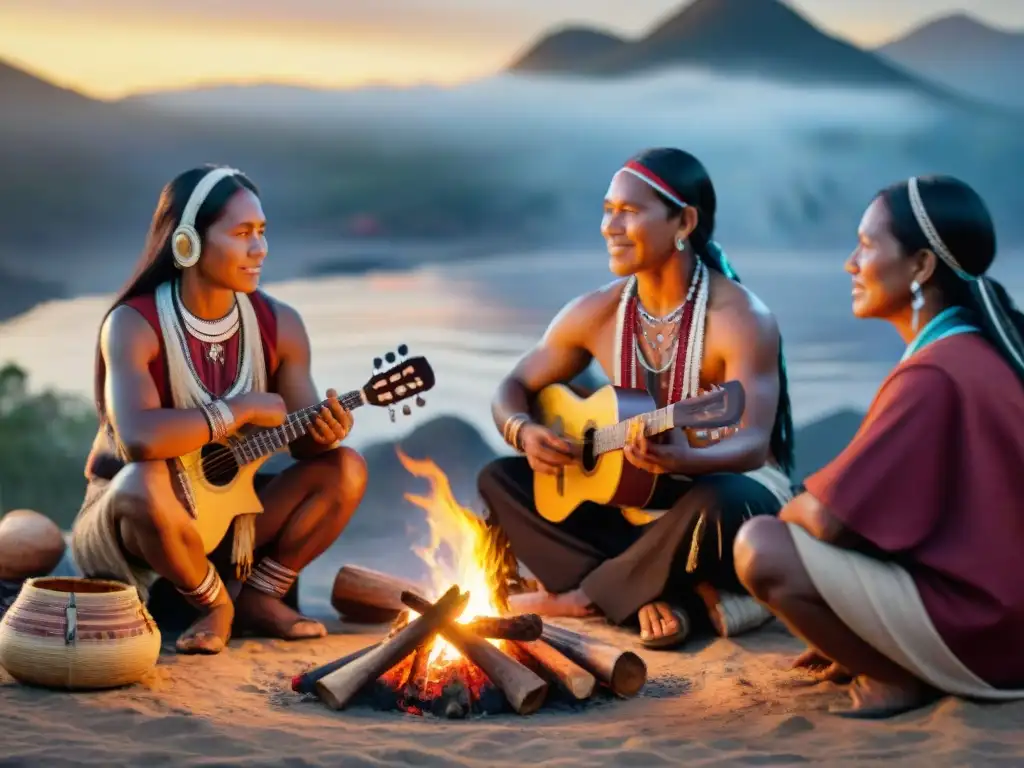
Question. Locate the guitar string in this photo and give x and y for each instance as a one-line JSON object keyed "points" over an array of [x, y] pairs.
{"points": [[229, 457], [226, 458], [609, 436]]}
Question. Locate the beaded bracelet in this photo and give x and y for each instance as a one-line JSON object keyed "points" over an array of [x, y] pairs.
{"points": [[219, 417], [513, 428]]}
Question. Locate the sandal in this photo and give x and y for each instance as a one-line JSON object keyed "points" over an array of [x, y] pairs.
{"points": [[674, 639]]}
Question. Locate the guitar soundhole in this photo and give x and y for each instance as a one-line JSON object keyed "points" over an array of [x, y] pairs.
{"points": [[587, 457], [219, 465]]}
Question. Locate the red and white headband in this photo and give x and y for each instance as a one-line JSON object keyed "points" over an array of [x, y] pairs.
{"points": [[652, 180]]}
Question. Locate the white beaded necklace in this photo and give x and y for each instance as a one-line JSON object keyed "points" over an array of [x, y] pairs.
{"points": [[211, 332], [695, 339]]}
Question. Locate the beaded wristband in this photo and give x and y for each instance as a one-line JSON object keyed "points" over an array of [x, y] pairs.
{"points": [[219, 417]]}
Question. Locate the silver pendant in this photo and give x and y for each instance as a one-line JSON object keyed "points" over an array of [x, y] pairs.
{"points": [[216, 353], [660, 337]]}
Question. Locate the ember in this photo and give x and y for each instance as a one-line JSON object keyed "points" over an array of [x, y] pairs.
{"points": [[461, 654]]}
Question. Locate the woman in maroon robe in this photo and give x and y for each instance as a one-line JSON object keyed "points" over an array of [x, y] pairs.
{"points": [[900, 563]]}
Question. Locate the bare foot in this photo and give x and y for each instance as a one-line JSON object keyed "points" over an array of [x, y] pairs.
{"points": [[811, 658], [821, 668], [262, 613], [544, 603], [210, 633], [661, 625], [872, 699]]}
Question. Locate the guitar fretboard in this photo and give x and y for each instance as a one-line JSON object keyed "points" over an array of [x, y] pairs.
{"points": [[613, 437], [267, 441]]}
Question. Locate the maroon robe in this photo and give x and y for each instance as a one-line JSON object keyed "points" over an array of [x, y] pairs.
{"points": [[934, 478]]}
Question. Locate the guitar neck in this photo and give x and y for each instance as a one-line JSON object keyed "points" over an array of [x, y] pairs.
{"points": [[613, 437], [267, 441]]}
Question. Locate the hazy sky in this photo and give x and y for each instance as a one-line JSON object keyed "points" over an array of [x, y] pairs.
{"points": [[113, 47]]}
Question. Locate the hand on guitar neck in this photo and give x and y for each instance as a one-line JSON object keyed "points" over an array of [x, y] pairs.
{"points": [[267, 409]]}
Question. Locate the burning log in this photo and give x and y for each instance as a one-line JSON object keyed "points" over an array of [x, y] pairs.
{"points": [[369, 596], [524, 690], [622, 671], [527, 626], [576, 680], [337, 688], [306, 682], [419, 673]]}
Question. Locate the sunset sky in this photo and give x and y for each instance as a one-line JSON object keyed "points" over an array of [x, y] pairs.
{"points": [[109, 48]]}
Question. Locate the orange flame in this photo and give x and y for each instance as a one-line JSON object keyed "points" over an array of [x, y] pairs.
{"points": [[458, 552]]}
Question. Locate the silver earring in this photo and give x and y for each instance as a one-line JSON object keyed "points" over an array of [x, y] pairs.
{"points": [[680, 244], [916, 303]]}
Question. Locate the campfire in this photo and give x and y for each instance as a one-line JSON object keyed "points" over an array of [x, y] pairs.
{"points": [[462, 652]]}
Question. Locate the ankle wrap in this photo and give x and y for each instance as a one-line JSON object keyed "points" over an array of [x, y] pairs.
{"points": [[272, 578], [208, 590]]}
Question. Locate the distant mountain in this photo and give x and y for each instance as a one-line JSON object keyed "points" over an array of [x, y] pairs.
{"points": [[965, 55], [562, 49], [764, 37], [26, 91]]}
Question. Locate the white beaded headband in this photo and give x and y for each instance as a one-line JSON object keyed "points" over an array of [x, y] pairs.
{"points": [[651, 179], [932, 234]]}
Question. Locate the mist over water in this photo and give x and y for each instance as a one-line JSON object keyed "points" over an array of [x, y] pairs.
{"points": [[794, 165]]}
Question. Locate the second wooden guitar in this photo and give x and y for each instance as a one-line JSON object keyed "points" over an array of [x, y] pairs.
{"points": [[597, 426]]}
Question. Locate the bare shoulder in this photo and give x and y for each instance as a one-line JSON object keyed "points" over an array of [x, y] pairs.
{"points": [[579, 318], [291, 329], [128, 332], [738, 315]]}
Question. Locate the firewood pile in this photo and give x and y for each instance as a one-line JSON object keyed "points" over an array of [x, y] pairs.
{"points": [[530, 658]]}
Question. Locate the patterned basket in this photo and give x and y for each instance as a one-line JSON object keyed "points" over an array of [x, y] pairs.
{"points": [[76, 634]]}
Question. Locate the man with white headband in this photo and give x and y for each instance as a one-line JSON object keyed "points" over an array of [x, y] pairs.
{"points": [[900, 565], [190, 351], [676, 322]]}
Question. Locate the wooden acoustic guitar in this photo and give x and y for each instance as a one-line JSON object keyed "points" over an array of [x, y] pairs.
{"points": [[218, 478], [597, 427]]}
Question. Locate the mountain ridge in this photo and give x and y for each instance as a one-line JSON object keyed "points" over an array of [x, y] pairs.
{"points": [[966, 55], [763, 37]]}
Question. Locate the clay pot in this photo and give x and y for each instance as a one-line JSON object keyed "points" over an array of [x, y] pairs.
{"points": [[31, 544], [78, 634]]}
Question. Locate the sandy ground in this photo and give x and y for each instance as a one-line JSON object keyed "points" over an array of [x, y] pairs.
{"points": [[721, 702]]}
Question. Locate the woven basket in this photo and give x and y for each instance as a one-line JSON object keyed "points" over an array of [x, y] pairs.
{"points": [[78, 634]]}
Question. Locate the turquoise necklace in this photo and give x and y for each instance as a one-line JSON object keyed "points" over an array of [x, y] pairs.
{"points": [[949, 322]]}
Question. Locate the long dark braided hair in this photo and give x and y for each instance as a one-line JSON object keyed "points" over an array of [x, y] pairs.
{"points": [[689, 180]]}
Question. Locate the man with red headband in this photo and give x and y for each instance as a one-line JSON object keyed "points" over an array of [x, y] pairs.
{"points": [[676, 321]]}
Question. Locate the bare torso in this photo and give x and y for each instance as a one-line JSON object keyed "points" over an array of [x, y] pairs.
{"points": [[737, 324]]}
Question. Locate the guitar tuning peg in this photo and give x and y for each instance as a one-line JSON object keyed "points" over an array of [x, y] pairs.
{"points": [[406, 410], [420, 402], [390, 357], [403, 350], [377, 363]]}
